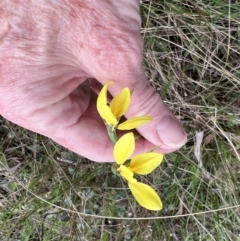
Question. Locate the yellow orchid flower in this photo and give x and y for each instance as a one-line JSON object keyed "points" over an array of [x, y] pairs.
{"points": [[112, 112], [142, 164]]}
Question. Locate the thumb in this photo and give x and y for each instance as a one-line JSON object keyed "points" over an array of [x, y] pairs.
{"points": [[165, 130]]}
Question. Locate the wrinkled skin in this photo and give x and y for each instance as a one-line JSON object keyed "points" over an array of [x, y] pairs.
{"points": [[54, 53]]}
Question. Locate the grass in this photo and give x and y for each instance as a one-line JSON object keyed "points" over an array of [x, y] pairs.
{"points": [[192, 52]]}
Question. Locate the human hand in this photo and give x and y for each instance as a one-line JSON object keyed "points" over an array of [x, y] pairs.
{"points": [[48, 49]]}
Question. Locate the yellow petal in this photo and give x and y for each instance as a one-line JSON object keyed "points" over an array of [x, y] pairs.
{"points": [[120, 103], [145, 163], [146, 196], [127, 174], [107, 115], [134, 122], [124, 148], [102, 97]]}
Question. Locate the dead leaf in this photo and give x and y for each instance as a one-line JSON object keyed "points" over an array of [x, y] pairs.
{"points": [[180, 208], [208, 139], [197, 153], [197, 147]]}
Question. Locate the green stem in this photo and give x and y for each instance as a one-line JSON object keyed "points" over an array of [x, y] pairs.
{"points": [[112, 135]]}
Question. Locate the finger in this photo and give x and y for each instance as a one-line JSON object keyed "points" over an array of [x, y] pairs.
{"points": [[165, 130], [88, 137]]}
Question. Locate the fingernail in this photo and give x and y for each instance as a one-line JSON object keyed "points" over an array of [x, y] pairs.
{"points": [[171, 132]]}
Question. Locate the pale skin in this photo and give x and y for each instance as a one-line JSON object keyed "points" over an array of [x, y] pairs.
{"points": [[55, 54]]}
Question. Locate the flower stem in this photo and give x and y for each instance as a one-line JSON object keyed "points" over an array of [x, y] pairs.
{"points": [[112, 134]]}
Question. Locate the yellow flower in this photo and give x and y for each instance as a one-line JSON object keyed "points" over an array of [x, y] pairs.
{"points": [[142, 164], [111, 113]]}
